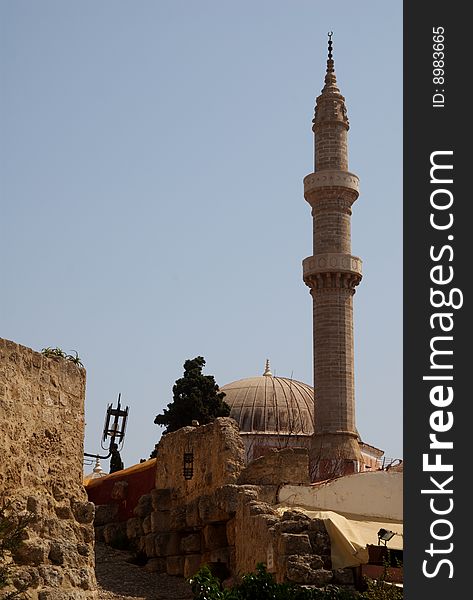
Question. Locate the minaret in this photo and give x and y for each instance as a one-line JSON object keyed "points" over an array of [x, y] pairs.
{"points": [[332, 274]]}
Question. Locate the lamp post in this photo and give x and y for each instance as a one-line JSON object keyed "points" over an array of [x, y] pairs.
{"points": [[114, 430]]}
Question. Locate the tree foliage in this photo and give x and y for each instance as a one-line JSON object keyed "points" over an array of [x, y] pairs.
{"points": [[195, 397]]}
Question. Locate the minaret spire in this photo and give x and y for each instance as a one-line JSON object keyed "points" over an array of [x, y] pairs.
{"points": [[332, 274]]}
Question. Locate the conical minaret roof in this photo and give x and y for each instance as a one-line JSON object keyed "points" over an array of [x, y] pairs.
{"points": [[330, 105]]}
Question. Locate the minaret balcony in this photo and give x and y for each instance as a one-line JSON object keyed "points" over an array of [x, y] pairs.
{"points": [[331, 179], [345, 265]]}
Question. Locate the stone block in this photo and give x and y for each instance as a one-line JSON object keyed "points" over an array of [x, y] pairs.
{"points": [[160, 521], [105, 514], [156, 565], [32, 552], [178, 518], [119, 490], [192, 514], [35, 505], [289, 465], [144, 506], [115, 535], [300, 569], [175, 565], [269, 493], [146, 524], [150, 545], [260, 508], [84, 512], [292, 527], [191, 544], [134, 528], [51, 576], [167, 544], [56, 553], [231, 532], [161, 499], [320, 542], [209, 511], [25, 577], [79, 578], [87, 534], [227, 498], [215, 536], [294, 543], [84, 549], [63, 512], [192, 564]]}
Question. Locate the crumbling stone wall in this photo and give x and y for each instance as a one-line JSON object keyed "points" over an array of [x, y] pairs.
{"points": [[277, 467], [218, 458], [41, 445], [228, 521]]}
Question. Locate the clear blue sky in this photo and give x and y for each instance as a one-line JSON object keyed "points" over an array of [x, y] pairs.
{"points": [[152, 210]]}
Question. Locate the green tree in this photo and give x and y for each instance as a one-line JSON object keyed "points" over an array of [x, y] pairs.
{"points": [[195, 397]]}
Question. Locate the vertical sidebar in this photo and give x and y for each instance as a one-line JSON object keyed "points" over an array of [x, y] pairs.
{"points": [[437, 320]]}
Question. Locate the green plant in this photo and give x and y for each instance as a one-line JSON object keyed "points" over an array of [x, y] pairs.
{"points": [[52, 352], [382, 589], [75, 359], [58, 352], [262, 586], [12, 529], [206, 586], [195, 397]]}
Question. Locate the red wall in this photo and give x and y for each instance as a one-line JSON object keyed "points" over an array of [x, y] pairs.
{"points": [[140, 479]]}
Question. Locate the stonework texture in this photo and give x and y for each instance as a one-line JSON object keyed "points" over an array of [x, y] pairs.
{"points": [[278, 467], [218, 458], [227, 522], [41, 445]]}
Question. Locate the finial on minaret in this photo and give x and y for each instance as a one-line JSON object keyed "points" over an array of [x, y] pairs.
{"points": [[267, 369], [330, 63], [98, 467]]}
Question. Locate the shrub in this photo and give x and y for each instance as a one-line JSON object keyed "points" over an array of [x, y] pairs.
{"points": [[262, 586]]}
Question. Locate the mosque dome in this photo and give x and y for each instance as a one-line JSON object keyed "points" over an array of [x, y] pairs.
{"points": [[97, 471], [271, 405]]}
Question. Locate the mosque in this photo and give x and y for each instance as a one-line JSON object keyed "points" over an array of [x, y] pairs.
{"points": [[277, 412]]}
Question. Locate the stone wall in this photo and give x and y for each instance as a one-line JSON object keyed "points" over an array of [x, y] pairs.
{"points": [[41, 445], [218, 458], [278, 467], [227, 521]]}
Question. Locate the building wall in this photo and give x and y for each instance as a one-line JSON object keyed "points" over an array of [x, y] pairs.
{"points": [[259, 444], [123, 488], [218, 458], [372, 494], [41, 445]]}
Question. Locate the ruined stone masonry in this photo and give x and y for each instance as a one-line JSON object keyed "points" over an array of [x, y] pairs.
{"points": [[224, 516], [41, 449]]}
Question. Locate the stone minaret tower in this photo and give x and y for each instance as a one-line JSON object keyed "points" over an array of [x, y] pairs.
{"points": [[332, 274]]}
